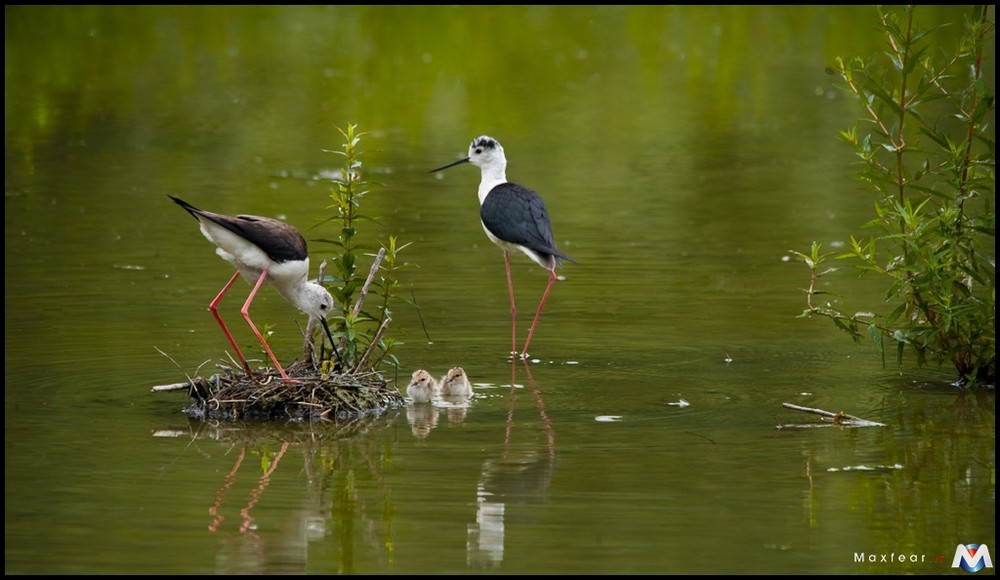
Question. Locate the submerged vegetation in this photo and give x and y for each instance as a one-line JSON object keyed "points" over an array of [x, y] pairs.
{"points": [[926, 146]]}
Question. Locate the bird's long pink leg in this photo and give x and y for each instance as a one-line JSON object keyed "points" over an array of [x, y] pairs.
{"points": [[513, 306], [538, 313], [214, 307], [245, 311]]}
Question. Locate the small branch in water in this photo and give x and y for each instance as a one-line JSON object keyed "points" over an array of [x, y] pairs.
{"points": [[840, 419], [168, 388]]}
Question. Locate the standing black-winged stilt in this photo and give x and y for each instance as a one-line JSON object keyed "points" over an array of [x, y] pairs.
{"points": [[514, 218], [263, 249]]}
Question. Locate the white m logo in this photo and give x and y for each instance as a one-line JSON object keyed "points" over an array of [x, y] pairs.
{"points": [[972, 560]]}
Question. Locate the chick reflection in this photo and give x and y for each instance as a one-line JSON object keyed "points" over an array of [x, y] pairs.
{"points": [[423, 417]]}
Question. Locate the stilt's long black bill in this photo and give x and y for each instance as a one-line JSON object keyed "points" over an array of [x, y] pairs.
{"points": [[459, 162], [333, 343]]}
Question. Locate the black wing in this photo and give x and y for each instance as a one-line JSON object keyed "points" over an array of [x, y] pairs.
{"points": [[517, 214], [280, 241]]}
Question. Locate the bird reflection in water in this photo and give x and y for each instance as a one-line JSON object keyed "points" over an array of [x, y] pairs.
{"points": [[508, 484], [423, 417], [511, 485], [247, 524]]}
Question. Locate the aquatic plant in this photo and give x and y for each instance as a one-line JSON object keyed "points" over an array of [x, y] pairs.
{"points": [[360, 328], [926, 147]]}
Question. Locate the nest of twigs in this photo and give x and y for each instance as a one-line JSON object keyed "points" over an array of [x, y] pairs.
{"points": [[307, 396]]}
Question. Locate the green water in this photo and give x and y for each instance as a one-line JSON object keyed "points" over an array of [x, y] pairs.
{"points": [[682, 153]]}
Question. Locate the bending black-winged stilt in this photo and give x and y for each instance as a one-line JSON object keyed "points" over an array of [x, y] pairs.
{"points": [[514, 218], [263, 249]]}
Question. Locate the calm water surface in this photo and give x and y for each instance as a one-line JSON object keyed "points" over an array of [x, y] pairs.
{"points": [[682, 154]]}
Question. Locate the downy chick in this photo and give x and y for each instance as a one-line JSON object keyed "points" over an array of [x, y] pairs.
{"points": [[422, 387], [456, 384]]}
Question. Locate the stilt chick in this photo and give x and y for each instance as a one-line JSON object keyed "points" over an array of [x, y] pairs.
{"points": [[456, 384], [422, 387]]}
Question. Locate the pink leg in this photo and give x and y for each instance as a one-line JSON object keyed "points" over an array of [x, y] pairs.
{"points": [[214, 307], [538, 313], [245, 311], [513, 307]]}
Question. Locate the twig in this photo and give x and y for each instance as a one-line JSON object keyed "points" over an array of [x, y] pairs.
{"points": [[840, 418], [374, 343], [828, 414], [168, 388], [368, 282]]}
